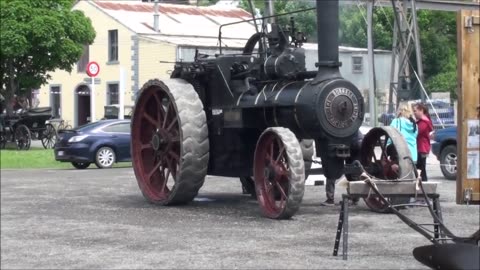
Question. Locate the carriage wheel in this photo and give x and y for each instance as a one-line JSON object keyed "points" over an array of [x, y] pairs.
{"points": [[23, 137], [49, 136], [279, 173], [170, 147], [385, 155]]}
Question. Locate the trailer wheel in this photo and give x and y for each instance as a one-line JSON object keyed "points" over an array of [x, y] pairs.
{"points": [[385, 155], [279, 173], [170, 147]]}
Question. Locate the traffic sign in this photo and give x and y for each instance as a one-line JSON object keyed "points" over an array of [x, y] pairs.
{"points": [[93, 69]]}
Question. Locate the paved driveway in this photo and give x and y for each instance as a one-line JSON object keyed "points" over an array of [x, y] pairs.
{"points": [[98, 219]]}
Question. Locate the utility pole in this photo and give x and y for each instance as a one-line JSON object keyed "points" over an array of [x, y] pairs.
{"points": [[269, 10], [371, 65], [406, 42]]}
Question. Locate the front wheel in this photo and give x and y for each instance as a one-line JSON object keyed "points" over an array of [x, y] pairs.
{"points": [[448, 162], [105, 157], [279, 173], [80, 165]]}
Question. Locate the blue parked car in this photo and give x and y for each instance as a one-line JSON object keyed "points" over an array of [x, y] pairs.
{"points": [[104, 143], [445, 149]]}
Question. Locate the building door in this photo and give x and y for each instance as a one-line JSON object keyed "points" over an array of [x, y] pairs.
{"points": [[83, 105]]}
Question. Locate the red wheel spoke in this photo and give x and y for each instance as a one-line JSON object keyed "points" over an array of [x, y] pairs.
{"points": [[146, 146], [150, 119], [160, 111], [280, 188], [166, 115], [271, 151], [280, 153], [171, 123], [155, 169]]}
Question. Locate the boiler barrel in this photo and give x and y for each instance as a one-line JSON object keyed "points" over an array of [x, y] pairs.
{"points": [[332, 109]]}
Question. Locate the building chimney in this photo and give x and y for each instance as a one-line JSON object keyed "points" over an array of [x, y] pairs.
{"points": [[156, 18]]}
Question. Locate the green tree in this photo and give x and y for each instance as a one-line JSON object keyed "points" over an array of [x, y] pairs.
{"points": [[36, 38]]}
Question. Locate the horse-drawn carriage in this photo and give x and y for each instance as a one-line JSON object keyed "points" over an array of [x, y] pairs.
{"points": [[23, 126]]}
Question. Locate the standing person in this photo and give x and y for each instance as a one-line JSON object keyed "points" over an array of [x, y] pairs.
{"points": [[425, 128], [407, 126]]}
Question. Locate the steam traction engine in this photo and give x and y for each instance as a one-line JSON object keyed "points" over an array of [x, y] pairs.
{"points": [[253, 114]]}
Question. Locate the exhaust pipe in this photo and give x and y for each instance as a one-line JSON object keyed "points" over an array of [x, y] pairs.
{"points": [[327, 38]]}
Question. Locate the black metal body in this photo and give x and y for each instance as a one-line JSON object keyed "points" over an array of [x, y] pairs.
{"points": [[269, 86]]}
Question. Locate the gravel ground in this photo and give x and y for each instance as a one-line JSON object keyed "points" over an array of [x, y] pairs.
{"points": [[98, 219]]}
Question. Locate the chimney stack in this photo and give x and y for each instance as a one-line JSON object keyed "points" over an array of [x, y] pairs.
{"points": [[156, 18], [327, 38]]}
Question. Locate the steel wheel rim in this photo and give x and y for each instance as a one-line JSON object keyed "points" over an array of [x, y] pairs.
{"points": [[451, 163], [380, 164], [272, 174], [156, 146], [105, 157]]}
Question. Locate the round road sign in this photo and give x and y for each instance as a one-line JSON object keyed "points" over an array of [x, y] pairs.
{"points": [[93, 69]]}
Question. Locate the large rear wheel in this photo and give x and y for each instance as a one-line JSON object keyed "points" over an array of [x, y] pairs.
{"points": [[279, 173], [170, 147], [385, 155]]}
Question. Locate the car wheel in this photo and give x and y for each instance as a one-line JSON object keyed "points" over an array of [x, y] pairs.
{"points": [[105, 157], [448, 162], [81, 165]]}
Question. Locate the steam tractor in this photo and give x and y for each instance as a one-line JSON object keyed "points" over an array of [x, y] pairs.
{"points": [[255, 116]]}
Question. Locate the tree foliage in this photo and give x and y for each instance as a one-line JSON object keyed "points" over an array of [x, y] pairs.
{"points": [[36, 38]]}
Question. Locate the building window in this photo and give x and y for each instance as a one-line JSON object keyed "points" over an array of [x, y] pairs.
{"points": [[112, 45], [83, 62], [55, 97], [357, 64], [112, 93]]}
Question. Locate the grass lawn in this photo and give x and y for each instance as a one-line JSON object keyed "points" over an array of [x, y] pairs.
{"points": [[37, 158]]}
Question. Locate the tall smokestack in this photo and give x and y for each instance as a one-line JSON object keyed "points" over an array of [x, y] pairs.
{"points": [[156, 18], [327, 34]]}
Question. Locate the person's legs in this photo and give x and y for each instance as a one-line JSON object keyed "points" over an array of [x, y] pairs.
{"points": [[421, 165], [330, 191]]}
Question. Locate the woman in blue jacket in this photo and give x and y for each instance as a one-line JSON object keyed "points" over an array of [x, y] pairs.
{"points": [[405, 123]]}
